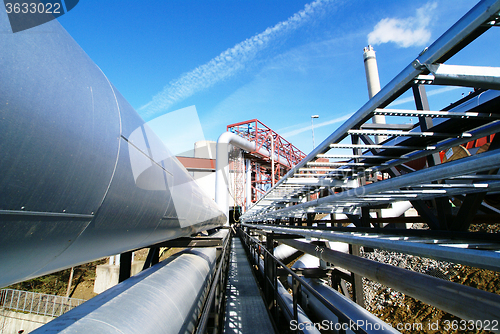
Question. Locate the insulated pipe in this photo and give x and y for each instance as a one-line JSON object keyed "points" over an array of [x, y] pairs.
{"points": [[486, 260], [283, 251], [304, 324], [306, 261], [222, 165], [248, 184], [165, 298], [398, 208], [86, 177], [361, 317], [463, 301]]}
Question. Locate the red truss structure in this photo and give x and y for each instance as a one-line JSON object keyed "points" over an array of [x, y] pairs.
{"points": [[264, 137]]}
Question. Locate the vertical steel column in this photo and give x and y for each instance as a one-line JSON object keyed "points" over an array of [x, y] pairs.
{"points": [[125, 266], [268, 272], [442, 204], [357, 280], [310, 218]]}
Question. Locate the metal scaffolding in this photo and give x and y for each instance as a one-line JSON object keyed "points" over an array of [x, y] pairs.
{"points": [[265, 170], [418, 162]]}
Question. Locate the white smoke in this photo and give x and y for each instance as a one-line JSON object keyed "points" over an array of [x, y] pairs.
{"points": [[411, 31]]}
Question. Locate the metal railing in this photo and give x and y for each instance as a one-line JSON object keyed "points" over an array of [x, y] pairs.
{"points": [[37, 303], [211, 318], [272, 265]]}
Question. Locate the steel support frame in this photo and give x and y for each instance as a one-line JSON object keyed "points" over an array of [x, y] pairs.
{"points": [[445, 295], [458, 36], [298, 283], [427, 248], [125, 266]]}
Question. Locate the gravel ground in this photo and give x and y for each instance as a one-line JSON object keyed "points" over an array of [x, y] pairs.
{"points": [[378, 296], [394, 307]]}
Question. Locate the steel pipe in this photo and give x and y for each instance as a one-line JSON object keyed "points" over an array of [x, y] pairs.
{"points": [[360, 316], [222, 165], [85, 176], [165, 298], [463, 301], [472, 257]]}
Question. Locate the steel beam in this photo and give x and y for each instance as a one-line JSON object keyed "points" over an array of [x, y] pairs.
{"points": [[463, 301], [485, 161], [473, 257], [467, 76], [469, 27]]}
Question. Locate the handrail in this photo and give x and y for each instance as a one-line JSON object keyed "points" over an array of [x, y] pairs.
{"points": [[302, 283], [218, 281]]}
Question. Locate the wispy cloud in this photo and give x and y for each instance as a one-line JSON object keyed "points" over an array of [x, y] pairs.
{"points": [[429, 93], [411, 31], [318, 125], [228, 63]]}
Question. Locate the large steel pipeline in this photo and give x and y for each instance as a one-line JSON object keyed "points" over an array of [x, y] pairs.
{"points": [[486, 260], [463, 301], [285, 301], [357, 314], [166, 298], [81, 174], [224, 141]]}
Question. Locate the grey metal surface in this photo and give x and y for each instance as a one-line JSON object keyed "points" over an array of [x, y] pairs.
{"points": [[367, 321], [474, 117], [165, 298], [463, 301], [481, 254], [303, 323], [81, 175], [245, 309]]}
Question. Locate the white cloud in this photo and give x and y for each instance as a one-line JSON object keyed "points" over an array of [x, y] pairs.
{"points": [[227, 63], [318, 125], [412, 31]]}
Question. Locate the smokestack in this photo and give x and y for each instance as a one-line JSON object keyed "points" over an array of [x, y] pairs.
{"points": [[373, 82]]}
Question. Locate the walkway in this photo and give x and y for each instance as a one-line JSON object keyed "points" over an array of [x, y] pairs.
{"points": [[245, 309]]}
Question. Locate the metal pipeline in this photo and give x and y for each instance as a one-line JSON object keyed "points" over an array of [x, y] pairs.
{"points": [[82, 175], [222, 165], [283, 252], [361, 317], [165, 298], [487, 260], [463, 301], [286, 302]]}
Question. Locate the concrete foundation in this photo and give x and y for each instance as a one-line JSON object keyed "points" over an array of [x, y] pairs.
{"points": [[107, 275], [14, 322]]}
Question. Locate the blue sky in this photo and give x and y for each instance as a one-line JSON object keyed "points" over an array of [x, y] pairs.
{"points": [[279, 61]]}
